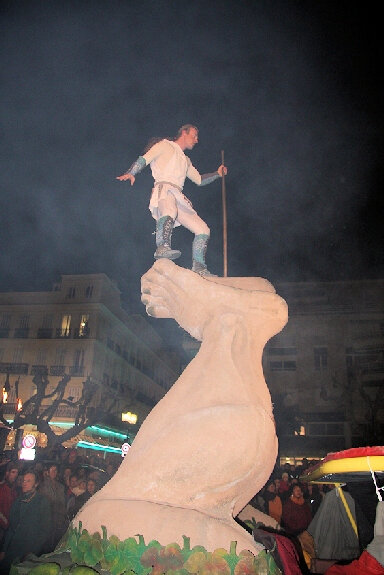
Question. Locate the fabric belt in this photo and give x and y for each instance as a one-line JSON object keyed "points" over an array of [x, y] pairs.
{"points": [[169, 184]]}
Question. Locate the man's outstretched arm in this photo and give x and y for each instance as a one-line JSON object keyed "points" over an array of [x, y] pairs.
{"points": [[136, 168]]}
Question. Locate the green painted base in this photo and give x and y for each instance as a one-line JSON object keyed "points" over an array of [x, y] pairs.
{"points": [[80, 553]]}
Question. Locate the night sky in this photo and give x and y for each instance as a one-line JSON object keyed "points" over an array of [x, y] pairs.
{"points": [[288, 89]]}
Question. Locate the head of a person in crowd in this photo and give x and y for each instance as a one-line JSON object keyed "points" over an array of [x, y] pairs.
{"points": [[94, 475], [82, 485], [297, 492], [285, 477], [29, 482], [11, 473], [73, 481], [81, 473], [91, 486], [270, 486], [72, 456], [277, 482], [110, 469], [66, 475], [51, 472], [313, 489]]}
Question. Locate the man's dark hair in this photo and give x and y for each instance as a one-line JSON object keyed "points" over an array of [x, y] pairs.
{"points": [[187, 128], [155, 140]]}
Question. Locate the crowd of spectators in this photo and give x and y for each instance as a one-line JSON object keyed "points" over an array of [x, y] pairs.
{"points": [[39, 499], [315, 519], [292, 503]]}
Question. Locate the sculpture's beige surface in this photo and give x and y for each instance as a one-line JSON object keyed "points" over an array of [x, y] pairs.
{"points": [[209, 445]]}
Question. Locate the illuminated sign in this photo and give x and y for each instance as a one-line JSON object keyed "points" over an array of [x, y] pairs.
{"points": [[129, 417], [27, 453], [29, 441]]}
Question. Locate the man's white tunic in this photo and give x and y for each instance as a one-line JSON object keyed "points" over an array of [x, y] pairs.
{"points": [[170, 166]]}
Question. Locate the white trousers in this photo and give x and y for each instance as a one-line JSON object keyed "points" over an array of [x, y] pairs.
{"points": [[169, 201]]}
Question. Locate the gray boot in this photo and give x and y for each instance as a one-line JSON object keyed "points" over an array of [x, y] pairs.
{"points": [[164, 229], [199, 248]]}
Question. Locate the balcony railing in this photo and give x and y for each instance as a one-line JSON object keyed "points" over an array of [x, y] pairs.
{"points": [[63, 333], [21, 332], [39, 370], [14, 368], [77, 333], [57, 370], [44, 333], [81, 332], [66, 411], [76, 370]]}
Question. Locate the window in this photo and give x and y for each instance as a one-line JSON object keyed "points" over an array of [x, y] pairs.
{"points": [[77, 368], [283, 365], [65, 330], [317, 429], [5, 320], [60, 356], [74, 392], [88, 292], [83, 327], [282, 351], [320, 358], [24, 322], [47, 321], [335, 429], [78, 358], [23, 329], [71, 293], [18, 355], [41, 356]]}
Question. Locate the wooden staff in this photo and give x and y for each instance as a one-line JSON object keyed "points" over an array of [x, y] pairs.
{"points": [[223, 197]]}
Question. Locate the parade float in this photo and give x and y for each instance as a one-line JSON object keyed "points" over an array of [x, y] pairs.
{"points": [[204, 450]]}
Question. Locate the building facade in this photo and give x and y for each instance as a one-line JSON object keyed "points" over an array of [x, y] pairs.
{"points": [[325, 369], [327, 365], [80, 329]]}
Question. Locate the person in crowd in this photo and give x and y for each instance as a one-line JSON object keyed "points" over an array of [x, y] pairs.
{"points": [[332, 529], [29, 524], [65, 474], [314, 497], [80, 488], [371, 560], [54, 491], [74, 460], [111, 470], [83, 498], [284, 486], [70, 493], [258, 501], [8, 494], [296, 514], [273, 504]]}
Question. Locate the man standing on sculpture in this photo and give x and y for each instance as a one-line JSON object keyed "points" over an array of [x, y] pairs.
{"points": [[168, 205]]}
